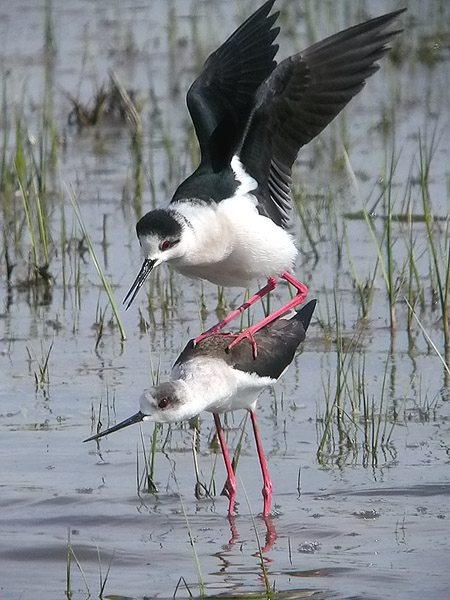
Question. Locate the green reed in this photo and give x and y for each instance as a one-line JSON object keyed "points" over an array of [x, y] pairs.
{"points": [[69, 557], [269, 591], [103, 580], [134, 122], [385, 246], [42, 375], [440, 256], [103, 278], [146, 479], [364, 287], [429, 340], [29, 175], [354, 420], [200, 580]]}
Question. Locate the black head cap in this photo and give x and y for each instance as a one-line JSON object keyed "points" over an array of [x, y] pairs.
{"points": [[159, 222]]}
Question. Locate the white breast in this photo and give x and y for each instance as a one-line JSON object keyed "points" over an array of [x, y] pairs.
{"points": [[231, 244], [212, 385]]}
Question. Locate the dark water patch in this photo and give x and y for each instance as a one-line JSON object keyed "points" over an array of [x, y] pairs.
{"points": [[47, 553], [419, 490], [299, 594], [322, 572]]}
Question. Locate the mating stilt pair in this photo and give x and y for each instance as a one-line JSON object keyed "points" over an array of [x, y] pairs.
{"points": [[226, 223]]}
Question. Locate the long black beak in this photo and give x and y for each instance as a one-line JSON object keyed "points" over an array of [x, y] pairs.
{"points": [[145, 271], [139, 416]]}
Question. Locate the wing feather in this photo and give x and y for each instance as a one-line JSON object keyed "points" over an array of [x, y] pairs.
{"points": [[300, 98], [221, 99]]}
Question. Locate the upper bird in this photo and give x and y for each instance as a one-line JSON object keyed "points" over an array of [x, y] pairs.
{"points": [[207, 377], [226, 222]]}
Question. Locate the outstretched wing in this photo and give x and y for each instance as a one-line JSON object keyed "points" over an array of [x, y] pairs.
{"points": [[301, 97], [221, 98]]}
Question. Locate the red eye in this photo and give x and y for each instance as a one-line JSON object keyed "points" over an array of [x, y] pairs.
{"points": [[163, 403], [165, 245]]}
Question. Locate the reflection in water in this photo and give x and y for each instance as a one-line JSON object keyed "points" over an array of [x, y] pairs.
{"points": [[270, 537]]}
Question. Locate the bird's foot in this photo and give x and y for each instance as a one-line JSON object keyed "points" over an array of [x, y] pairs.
{"points": [[267, 497], [246, 334], [228, 489], [271, 285], [208, 333], [202, 337]]}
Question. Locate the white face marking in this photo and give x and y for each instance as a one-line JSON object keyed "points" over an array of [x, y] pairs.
{"points": [[151, 248], [247, 183]]}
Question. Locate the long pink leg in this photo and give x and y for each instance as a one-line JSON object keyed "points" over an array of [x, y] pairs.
{"points": [[271, 285], [300, 297], [267, 482], [231, 481]]}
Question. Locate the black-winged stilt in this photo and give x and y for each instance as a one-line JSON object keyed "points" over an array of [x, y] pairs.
{"points": [[207, 377], [226, 222]]}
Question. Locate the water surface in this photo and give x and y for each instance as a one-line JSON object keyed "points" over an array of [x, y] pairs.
{"points": [[355, 521]]}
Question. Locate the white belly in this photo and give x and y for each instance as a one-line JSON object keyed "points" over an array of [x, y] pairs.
{"points": [[233, 245]]}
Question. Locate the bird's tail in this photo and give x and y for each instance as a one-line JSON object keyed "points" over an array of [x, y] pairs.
{"points": [[305, 313], [302, 315], [295, 323]]}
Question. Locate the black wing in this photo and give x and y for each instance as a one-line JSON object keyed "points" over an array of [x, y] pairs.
{"points": [[277, 344], [221, 98], [300, 98]]}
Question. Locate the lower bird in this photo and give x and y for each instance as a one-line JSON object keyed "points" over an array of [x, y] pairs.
{"points": [[226, 223], [207, 377]]}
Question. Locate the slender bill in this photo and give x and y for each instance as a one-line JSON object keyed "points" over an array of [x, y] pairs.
{"points": [[139, 416], [146, 269]]}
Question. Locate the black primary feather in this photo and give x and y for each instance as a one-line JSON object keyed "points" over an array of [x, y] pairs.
{"points": [[300, 98], [221, 99]]}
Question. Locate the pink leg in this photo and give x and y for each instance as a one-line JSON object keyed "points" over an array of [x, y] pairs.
{"points": [[231, 481], [300, 297], [271, 285], [267, 487]]}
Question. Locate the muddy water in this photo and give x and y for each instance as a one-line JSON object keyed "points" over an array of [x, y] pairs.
{"points": [[354, 524]]}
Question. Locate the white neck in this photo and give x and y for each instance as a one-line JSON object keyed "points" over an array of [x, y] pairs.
{"points": [[206, 237], [246, 182], [212, 385], [205, 384]]}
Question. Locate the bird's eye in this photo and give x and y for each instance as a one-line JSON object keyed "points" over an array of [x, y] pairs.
{"points": [[165, 245], [163, 403]]}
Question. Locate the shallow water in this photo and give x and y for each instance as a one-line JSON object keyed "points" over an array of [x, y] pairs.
{"points": [[354, 524]]}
